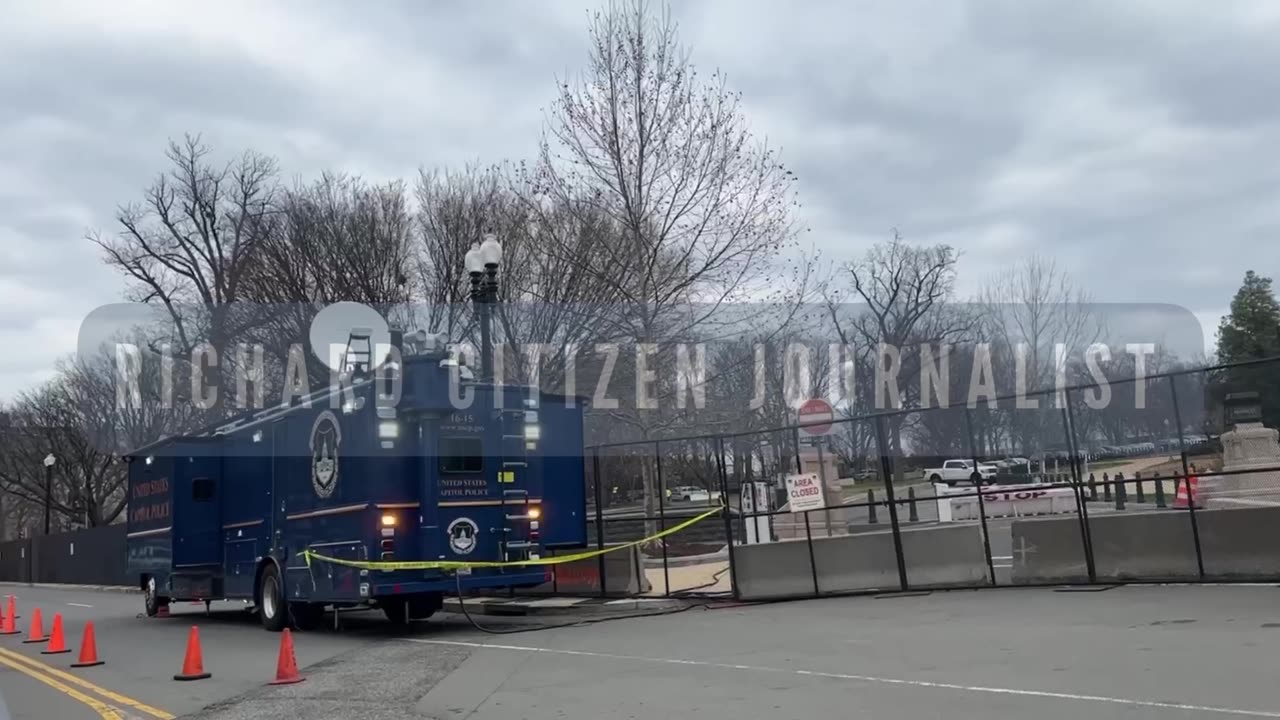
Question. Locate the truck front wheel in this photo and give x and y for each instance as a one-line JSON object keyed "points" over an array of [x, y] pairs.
{"points": [[272, 609], [936, 478]]}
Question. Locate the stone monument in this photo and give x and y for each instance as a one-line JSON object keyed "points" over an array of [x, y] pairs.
{"points": [[1250, 449]]}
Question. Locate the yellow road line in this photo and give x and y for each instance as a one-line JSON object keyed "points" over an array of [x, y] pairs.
{"points": [[104, 711], [113, 696]]}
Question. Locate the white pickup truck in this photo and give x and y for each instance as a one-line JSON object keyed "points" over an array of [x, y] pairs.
{"points": [[954, 472]]}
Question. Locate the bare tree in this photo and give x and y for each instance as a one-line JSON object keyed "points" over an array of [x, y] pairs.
{"points": [[905, 292], [188, 244], [702, 209], [455, 210], [336, 239], [1027, 310]]}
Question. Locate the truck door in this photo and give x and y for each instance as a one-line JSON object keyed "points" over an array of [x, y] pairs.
{"points": [[279, 481], [197, 528], [463, 472]]}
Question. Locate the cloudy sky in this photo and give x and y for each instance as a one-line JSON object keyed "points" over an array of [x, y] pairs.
{"points": [[1135, 142]]}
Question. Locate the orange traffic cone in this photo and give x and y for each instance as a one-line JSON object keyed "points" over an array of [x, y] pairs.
{"points": [[286, 664], [57, 643], [10, 624], [88, 649], [193, 663], [37, 628], [1186, 495]]}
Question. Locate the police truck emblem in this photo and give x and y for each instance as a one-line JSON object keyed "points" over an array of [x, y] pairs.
{"points": [[462, 535], [326, 436]]}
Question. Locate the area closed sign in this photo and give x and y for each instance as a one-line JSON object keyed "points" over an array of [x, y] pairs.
{"points": [[804, 492]]}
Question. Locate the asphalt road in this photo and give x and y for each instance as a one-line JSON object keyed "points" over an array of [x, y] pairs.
{"points": [[142, 654], [1132, 653]]}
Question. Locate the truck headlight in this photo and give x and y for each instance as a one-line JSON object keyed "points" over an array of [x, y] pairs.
{"points": [[388, 430], [532, 433]]}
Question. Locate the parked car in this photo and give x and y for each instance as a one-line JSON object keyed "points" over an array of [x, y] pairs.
{"points": [[954, 472], [689, 493]]}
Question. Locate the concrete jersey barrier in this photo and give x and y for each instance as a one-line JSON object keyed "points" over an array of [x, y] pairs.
{"points": [[1236, 544], [936, 557]]}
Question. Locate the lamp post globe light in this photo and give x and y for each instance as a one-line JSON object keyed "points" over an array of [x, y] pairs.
{"points": [[49, 461], [482, 262]]}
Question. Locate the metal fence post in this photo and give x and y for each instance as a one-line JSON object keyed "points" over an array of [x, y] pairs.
{"points": [[595, 466], [795, 439], [662, 516], [1186, 473], [724, 507], [871, 508], [813, 563], [1082, 507], [1140, 493], [982, 505], [1160, 502], [885, 467]]}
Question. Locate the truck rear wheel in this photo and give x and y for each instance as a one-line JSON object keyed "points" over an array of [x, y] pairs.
{"points": [[307, 616], [396, 610], [273, 611], [401, 610], [151, 597]]}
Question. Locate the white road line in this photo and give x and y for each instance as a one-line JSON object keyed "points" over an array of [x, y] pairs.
{"points": [[79, 605], [867, 679]]}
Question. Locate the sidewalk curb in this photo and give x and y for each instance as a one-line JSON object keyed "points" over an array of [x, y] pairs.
{"points": [[65, 586]]}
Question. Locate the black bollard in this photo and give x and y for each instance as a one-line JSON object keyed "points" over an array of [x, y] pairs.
{"points": [[1106, 488], [1093, 489], [1140, 493], [1160, 502], [1120, 491], [871, 507], [913, 515]]}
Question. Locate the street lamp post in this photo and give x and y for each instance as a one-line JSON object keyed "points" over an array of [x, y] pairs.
{"points": [[482, 263], [49, 461]]}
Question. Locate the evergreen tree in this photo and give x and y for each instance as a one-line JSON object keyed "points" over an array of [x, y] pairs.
{"points": [[1252, 331]]}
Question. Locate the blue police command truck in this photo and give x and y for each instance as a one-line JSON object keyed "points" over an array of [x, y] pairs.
{"points": [[227, 512]]}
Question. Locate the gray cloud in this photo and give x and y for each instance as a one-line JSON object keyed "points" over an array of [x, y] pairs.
{"points": [[1135, 143]]}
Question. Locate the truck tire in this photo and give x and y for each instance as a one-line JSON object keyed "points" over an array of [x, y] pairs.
{"points": [[422, 607], [976, 479], [307, 616], [396, 610], [151, 597], [936, 478], [273, 610]]}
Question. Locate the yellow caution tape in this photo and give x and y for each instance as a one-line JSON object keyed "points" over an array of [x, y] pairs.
{"points": [[308, 555]]}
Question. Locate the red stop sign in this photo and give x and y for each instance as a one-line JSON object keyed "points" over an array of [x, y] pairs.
{"points": [[816, 411]]}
